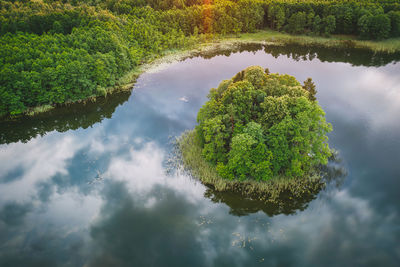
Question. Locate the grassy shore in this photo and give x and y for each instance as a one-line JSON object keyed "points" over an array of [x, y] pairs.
{"points": [[345, 41], [268, 191], [207, 43]]}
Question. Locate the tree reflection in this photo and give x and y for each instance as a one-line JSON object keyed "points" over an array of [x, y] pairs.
{"points": [[347, 53], [332, 175], [61, 119], [84, 115]]}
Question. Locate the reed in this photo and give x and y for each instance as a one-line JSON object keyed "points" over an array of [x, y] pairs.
{"points": [[39, 109], [336, 41], [269, 191]]}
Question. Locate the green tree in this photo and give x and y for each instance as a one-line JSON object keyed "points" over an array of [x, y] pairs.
{"points": [[379, 26], [329, 23], [348, 17], [364, 26], [317, 25], [249, 157], [310, 21], [297, 23], [258, 125], [395, 23], [276, 16], [57, 27], [309, 86]]}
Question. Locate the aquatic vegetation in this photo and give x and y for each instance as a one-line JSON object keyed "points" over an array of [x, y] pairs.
{"points": [[266, 191], [263, 132], [39, 109]]}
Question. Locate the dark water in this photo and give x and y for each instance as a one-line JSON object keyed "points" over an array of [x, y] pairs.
{"points": [[92, 186]]}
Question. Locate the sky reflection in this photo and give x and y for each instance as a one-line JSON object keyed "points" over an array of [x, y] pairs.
{"points": [[101, 196]]}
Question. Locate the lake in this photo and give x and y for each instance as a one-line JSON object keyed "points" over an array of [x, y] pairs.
{"points": [[96, 184]]}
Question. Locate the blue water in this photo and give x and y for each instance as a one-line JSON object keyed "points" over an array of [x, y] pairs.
{"points": [[97, 191]]}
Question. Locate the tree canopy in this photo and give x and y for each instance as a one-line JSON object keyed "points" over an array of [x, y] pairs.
{"points": [[259, 125], [53, 52]]}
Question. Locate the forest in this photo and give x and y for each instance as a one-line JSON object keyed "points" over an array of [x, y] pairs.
{"points": [[54, 52], [259, 125]]}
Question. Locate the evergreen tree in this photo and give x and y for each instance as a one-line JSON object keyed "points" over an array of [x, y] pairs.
{"points": [[309, 86]]}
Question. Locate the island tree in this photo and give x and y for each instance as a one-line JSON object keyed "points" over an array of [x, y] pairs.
{"points": [[257, 126]]}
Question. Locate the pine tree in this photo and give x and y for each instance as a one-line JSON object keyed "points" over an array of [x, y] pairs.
{"points": [[310, 87]]}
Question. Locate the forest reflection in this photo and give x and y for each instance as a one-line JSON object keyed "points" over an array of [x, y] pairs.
{"points": [[84, 115], [332, 175], [61, 119]]}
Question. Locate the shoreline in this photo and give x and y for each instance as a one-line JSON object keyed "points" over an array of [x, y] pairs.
{"points": [[335, 41], [274, 190], [210, 43]]}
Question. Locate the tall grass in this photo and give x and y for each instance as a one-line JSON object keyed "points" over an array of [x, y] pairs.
{"points": [[39, 109], [389, 45], [268, 191]]}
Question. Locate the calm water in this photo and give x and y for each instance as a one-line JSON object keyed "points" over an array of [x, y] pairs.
{"points": [[92, 185]]}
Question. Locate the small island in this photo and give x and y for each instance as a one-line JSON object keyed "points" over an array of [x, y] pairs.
{"points": [[262, 135]]}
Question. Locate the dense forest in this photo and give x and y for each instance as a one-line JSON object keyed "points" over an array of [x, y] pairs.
{"points": [[69, 117], [53, 52], [259, 125]]}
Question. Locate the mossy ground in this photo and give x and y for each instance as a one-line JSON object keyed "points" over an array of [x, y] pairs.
{"points": [[268, 191]]}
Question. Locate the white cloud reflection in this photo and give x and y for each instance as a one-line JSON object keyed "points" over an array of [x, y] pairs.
{"points": [[341, 228], [38, 160], [143, 168]]}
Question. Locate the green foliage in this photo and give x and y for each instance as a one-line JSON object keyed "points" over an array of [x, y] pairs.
{"points": [[310, 87], [270, 190], [53, 52], [375, 26], [249, 155], [49, 55], [317, 25], [333, 16], [395, 23], [364, 25], [297, 23], [379, 27], [259, 125], [276, 16], [329, 24]]}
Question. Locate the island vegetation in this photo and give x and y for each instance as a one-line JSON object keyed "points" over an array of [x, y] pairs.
{"points": [[55, 52], [260, 134]]}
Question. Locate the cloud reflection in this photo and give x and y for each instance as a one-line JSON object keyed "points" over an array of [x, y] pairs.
{"points": [[100, 196], [132, 235]]}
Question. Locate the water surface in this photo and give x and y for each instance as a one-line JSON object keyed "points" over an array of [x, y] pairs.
{"points": [[91, 185]]}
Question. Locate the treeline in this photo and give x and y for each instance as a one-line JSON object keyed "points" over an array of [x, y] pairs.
{"points": [[53, 63], [222, 16], [62, 51], [367, 19]]}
